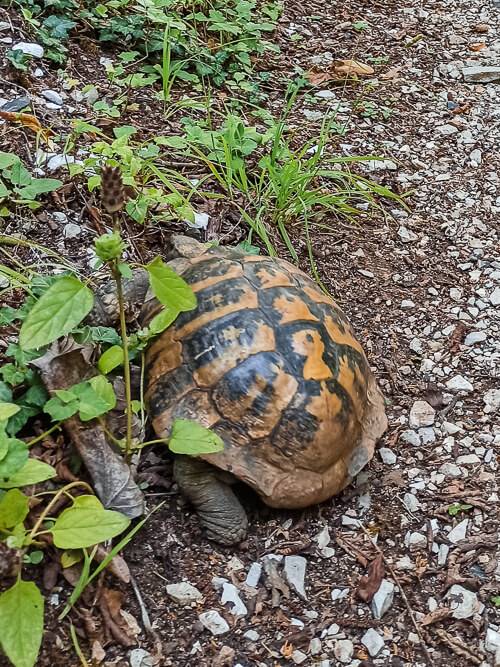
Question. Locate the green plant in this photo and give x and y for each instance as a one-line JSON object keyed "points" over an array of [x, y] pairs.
{"points": [[18, 186], [458, 508]]}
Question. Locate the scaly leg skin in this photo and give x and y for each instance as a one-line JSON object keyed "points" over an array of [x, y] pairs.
{"points": [[219, 510]]}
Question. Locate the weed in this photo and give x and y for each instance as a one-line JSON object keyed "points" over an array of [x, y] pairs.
{"points": [[18, 187]]}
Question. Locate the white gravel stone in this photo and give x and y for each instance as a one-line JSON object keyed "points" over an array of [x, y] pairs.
{"points": [[315, 646], [339, 594], [251, 635], [140, 658], [443, 552], [387, 456], [30, 48], [406, 235], [184, 592], [451, 470], [230, 594], [417, 540], [411, 502], [492, 641], [383, 598], [295, 571], [459, 383], [410, 437], [299, 657], [481, 74], [421, 414], [463, 603], [492, 400], [53, 96], [475, 337], [253, 575], [72, 231], [468, 459], [372, 641], [459, 532], [405, 563], [214, 622], [495, 296], [343, 650]]}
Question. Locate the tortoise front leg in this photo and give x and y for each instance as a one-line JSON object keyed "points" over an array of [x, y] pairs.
{"points": [[219, 510]]}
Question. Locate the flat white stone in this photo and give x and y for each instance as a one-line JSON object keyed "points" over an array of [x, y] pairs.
{"points": [[253, 575], [492, 641], [421, 414], [184, 592], [475, 337], [294, 571], [383, 598], [251, 635], [372, 641], [463, 603], [387, 456], [213, 621], [343, 650], [459, 532], [459, 383], [30, 48]]}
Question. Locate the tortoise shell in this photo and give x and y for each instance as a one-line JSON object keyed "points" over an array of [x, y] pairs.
{"points": [[270, 363]]}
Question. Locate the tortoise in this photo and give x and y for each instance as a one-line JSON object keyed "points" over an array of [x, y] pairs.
{"points": [[269, 362]]}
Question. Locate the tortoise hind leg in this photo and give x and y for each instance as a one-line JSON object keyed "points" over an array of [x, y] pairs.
{"points": [[219, 510]]}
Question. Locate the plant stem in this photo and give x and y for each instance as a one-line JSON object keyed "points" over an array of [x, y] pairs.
{"points": [[44, 434], [54, 500], [126, 361]]}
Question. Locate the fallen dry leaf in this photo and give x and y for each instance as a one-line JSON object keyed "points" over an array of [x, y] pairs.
{"points": [[392, 73], [27, 120], [435, 616], [352, 68], [481, 28], [286, 650], [317, 78], [477, 46], [370, 584], [98, 653]]}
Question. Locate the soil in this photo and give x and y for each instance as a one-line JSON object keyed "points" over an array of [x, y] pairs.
{"points": [[412, 300]]}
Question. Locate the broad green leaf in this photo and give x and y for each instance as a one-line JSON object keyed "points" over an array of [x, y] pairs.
{"points": [[4, 190], [60, 410], [19, 175], [138, 208], [61, 308], [87, 523], [172, 142], [15, 458], [125, 270], [39, 186], [96, 398], [33, 472], [169, 288], [7, 410], [13, 508], [7, 159], [163, 320], [71, 557], [21, 623], [191, 438], [110, 359]]}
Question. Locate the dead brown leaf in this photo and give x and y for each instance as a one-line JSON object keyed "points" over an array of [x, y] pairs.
{"points": [[370, 584], [117, 566], [392, 73], [481, 28], [27, 120], [110, 602], [286, 650], [477, 46], [352, 68], [98, 653], [435, 616], [317, 78], [457, 337]]}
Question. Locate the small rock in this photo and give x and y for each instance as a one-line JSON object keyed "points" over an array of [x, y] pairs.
{"points": [[16, 104], [323, 540], [443, 554], [213, 621], [30, 48], [253, 575], [451, 428], [184, 592], [406, 235], [339, 594], [251, 635], [315, 646], [405, 563], [411, 502], [407, 304], [495, 296], [417, 540], [331, 630], [427, 435], [295, 572], [475, 337], [72, 231], [140, 658], [447, 129], [231, 594], [234, 564], [468, 459], [422, 414], [492, 400], [476, 156], [298, 657], [325, 94], [343, 650], [459, 532], [459, 383], [58, 161], [387, 456], [450, 470], [411, 437], [456, 294], [492, 641], [53, 96], [463, 603], [383, 598], [372, 641], [481, 74]]}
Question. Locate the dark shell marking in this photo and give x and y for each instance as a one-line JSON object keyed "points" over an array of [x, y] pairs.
{"points": [[269, 362]]}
